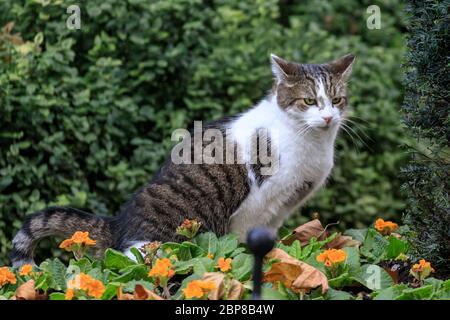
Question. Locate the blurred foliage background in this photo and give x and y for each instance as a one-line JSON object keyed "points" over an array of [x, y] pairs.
{"points": [[86, 115]]}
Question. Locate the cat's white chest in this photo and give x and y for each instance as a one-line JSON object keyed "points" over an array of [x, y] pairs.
{"points": [[304, 164]]}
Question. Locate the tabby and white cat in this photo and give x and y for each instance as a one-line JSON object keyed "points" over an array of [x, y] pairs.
{"points": [[305, 109]]}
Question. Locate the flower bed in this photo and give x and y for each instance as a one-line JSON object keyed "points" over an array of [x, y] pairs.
{"points": [[309, 263]]}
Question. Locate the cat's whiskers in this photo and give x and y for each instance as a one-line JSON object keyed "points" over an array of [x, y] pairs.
{"points": [[354, 135], [355, 146], [303, 130], [358, 126]]}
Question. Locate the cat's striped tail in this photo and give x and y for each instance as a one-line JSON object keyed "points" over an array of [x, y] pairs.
{"points": [[63, 222]]}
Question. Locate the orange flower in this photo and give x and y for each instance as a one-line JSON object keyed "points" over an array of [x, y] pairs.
{"points": [[91, 286], [95, 288], [198, 288], [422, 269], [210, 255], [6, 277], [332, 257], [69, 294], [162, 269], [224, 264], [79, 238], [26, 269], [385, 227]]}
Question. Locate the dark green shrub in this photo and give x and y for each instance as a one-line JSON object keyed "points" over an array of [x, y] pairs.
{"points": [[427, 115], [86, 115]]}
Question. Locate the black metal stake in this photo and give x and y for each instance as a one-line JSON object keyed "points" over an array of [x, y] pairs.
{"points": [[260, 241]]}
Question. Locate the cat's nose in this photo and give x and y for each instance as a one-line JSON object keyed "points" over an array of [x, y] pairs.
{"points": [[327, 119]]}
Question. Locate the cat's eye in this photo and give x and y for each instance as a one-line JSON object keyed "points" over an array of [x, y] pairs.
{"points": [[309, 101], [336, 100]]}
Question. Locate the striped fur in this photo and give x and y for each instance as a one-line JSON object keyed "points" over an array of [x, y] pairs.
{"points": [[230, 197]]}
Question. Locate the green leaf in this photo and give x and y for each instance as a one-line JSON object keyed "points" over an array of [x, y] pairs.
{"points": [[137, 254], [444, 290], [333, 294], [96, 273], [184, 267], [129, 286], [272, 294], [374, 246], [422, 293], [57, 296], [286, 292], [374, 277], [58, 270], [226, 245], [116, 260], [296, 249], [132, 272], [207, 241], [169, 247], [83, 265], [353, 262], [237, 251], [356, 234], [341, 281], [242, 266], [202, 265], [395, 247], [54, 276], [110, 291], [390, 293]]}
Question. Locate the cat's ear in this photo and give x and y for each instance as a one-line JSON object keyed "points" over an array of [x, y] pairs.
{"points": [[282, 69], [342, 66]]}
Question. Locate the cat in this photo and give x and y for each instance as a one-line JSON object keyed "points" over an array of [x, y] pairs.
{"points": [[302, 114]]}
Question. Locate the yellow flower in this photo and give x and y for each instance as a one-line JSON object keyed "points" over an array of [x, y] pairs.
{"points": [[422, 269], [69, 294], [162, 270], [6, 277], [198, 289], [26, 269], [224, 265], [210, 255], [385, 227], [78, 238], [332, 257]]}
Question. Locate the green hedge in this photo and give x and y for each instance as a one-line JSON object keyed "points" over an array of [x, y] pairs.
{"points": [[86, 115], [427, 115]]}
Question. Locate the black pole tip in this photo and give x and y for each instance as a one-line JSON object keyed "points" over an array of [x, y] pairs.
{"points": [[260, 240]]}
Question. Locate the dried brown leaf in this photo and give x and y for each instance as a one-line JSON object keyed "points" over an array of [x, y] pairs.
{"points": [[231, 289], [123, 296], [142, 293], [294, 274], [314, 229], [7, 28], [342, 241], [305, 232], [27, 291]]}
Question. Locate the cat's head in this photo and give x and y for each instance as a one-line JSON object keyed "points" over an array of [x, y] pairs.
{"points": [[313, 94]]}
